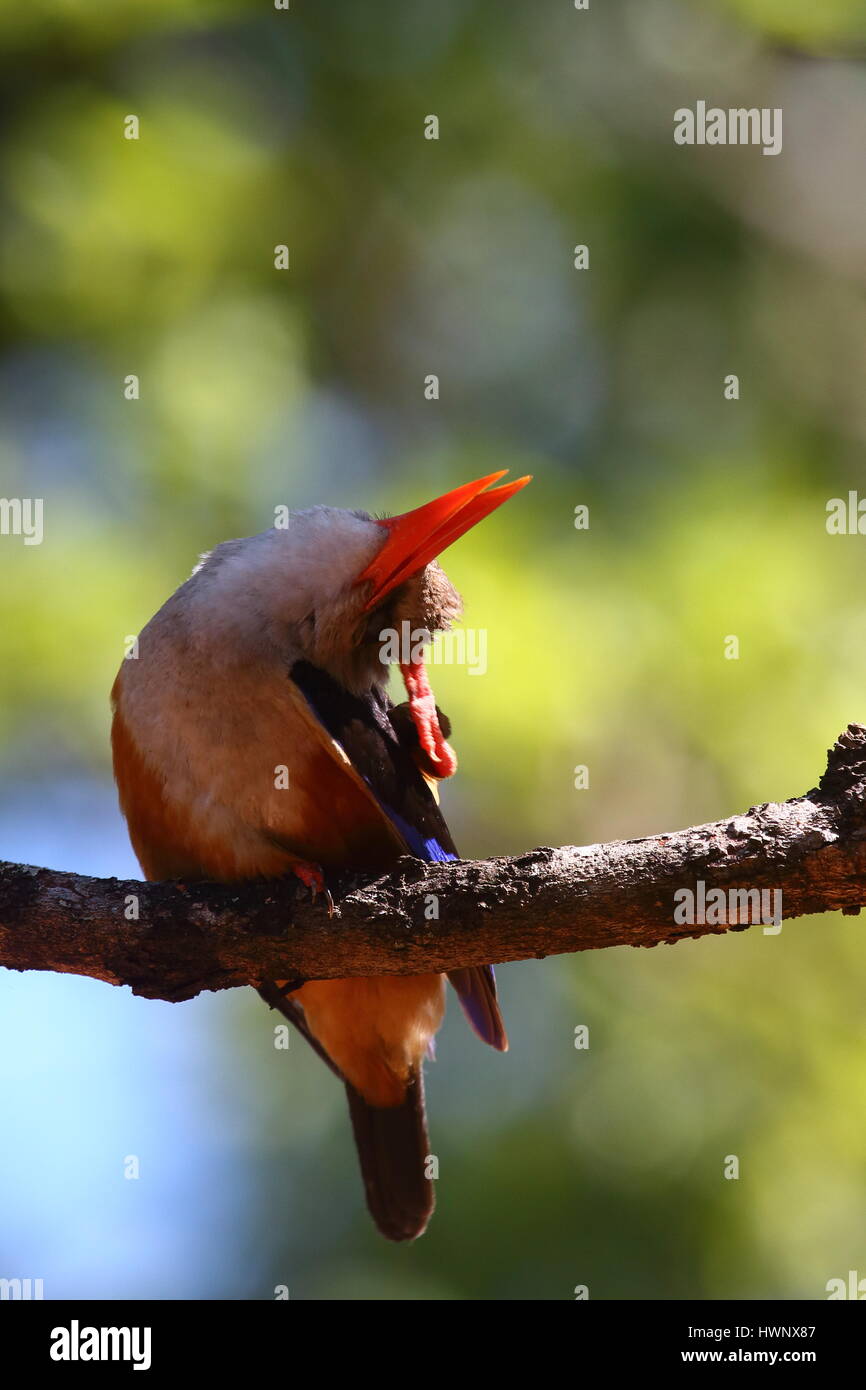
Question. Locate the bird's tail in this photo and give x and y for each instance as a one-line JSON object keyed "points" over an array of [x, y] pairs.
{"points": [[393, 1148]]}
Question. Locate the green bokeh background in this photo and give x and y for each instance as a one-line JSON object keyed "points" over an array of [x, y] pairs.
{"points": [[262, 387]]}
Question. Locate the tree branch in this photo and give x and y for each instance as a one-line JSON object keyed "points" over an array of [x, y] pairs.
{"points": [[197, 936]]}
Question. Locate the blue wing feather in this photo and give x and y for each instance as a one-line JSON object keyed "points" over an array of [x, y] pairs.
{"points": [[360, 725]]}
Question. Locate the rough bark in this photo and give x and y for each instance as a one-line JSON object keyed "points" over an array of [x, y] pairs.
{"points": [[197, 936]]}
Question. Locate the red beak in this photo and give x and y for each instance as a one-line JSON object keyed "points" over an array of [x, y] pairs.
{"points": [[417, 537]]}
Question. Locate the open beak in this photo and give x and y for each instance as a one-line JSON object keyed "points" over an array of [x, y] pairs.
{"points": [[417, 537]]}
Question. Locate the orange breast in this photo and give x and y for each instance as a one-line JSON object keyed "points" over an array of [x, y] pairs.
{"points": [[324, 817], [375, 1030]]}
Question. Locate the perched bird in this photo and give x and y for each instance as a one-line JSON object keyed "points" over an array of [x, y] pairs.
{"points": [[270, 659]]}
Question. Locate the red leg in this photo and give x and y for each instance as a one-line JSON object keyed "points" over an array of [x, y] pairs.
{"points": [[312, 877]]}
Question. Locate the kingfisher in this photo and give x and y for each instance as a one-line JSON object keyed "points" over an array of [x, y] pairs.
{"points": [[253, 737]]}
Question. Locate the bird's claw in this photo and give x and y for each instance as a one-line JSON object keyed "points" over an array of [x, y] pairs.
{"points": [[312, 877]]}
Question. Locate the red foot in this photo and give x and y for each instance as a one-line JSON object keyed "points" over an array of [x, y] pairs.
{"points": [[438, 754], [312, 877]]}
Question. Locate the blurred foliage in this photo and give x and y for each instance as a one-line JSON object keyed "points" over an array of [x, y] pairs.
{"points": [[606, 646]]}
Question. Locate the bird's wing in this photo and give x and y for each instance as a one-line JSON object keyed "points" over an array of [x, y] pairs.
{"points": [[331, 815], [362, 733]]}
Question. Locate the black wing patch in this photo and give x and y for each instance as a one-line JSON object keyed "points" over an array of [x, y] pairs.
{"points": [[380, 743], [381, 751]]}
